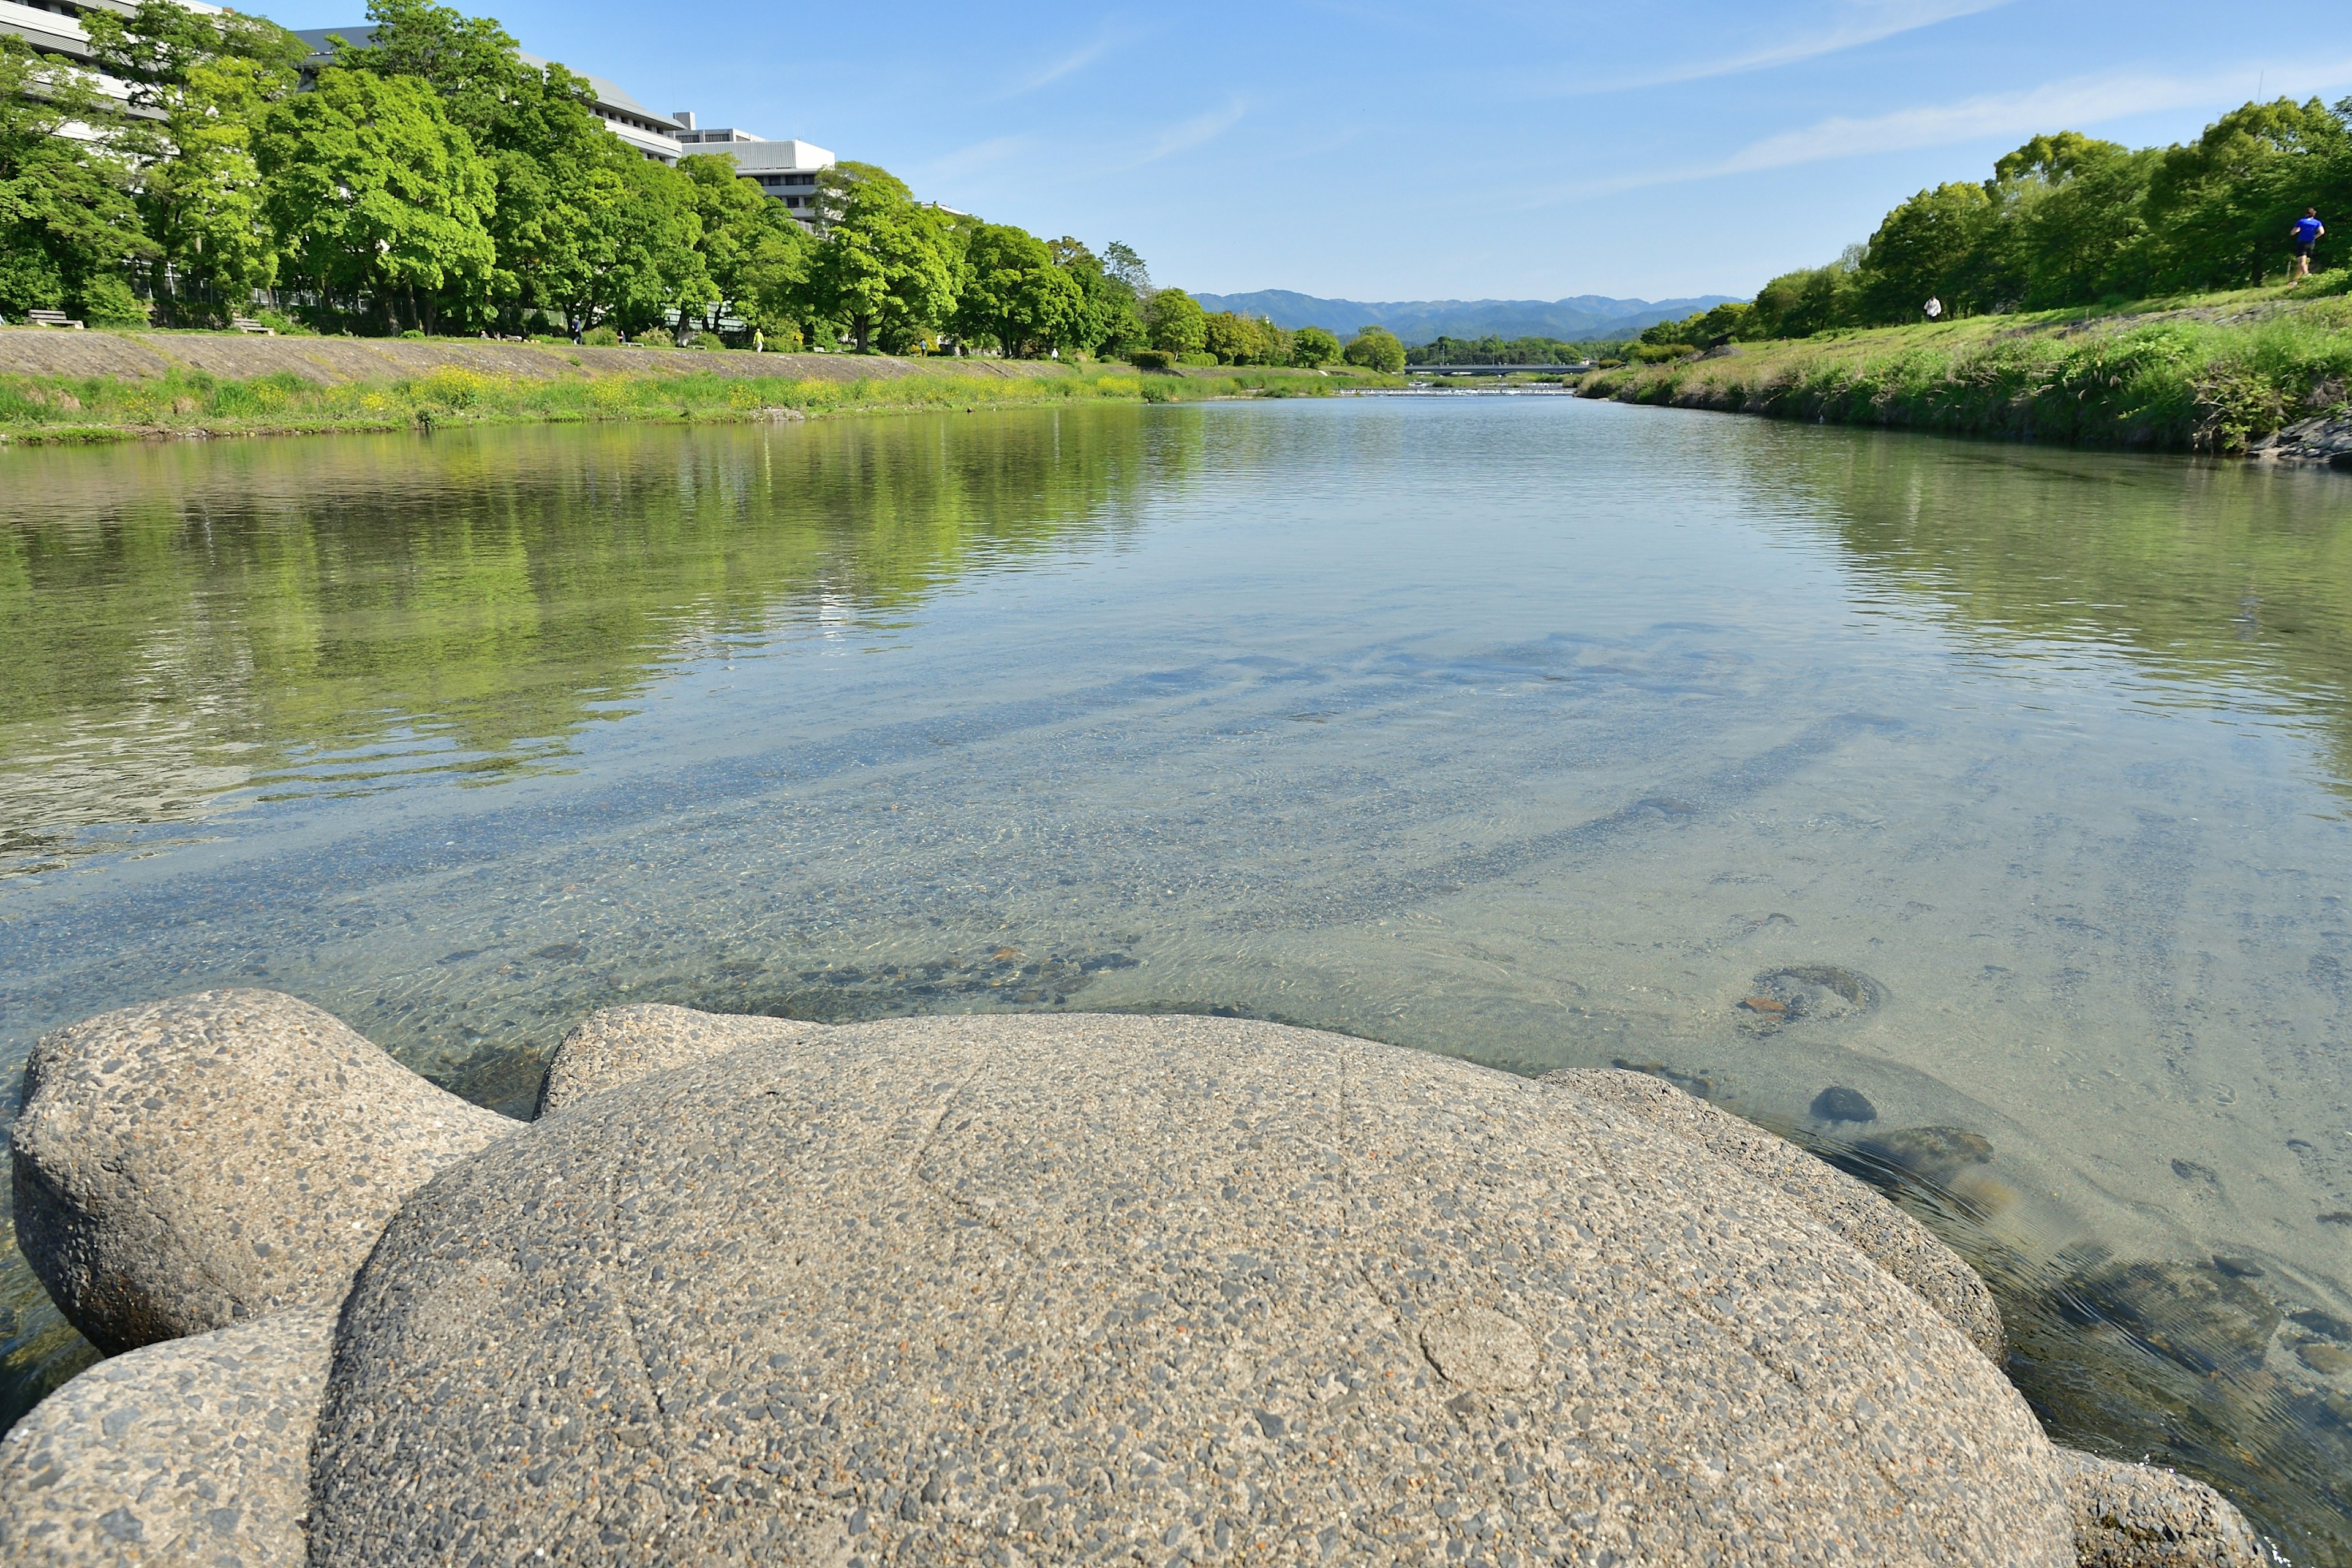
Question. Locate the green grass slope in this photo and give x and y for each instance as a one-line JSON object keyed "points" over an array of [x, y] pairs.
{"points": [[2215, 372]]}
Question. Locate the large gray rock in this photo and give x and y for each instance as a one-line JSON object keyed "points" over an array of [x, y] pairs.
{"points": [[195, 1452], [184, 1166], [620, 1045], [2135, 1516], [1880, 1231], [1064, 1287]]}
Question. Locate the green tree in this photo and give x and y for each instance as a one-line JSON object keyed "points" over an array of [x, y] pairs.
{"points": [[558, 170], [1376, 348], [372, 190], [649, 238], [1313, 346], [2217, 209], [1244, 339], [886, 267], [1014, 294], [1174, 322], [208, 79], [1233, 338], [757, 256], [2070, 206], [67, 224], [1110, 318], [1812, 300], [1930, 247], [471, 61]]}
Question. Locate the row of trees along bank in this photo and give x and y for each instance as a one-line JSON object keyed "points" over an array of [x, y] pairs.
{"points": [[2069, 220], [434, 182]]}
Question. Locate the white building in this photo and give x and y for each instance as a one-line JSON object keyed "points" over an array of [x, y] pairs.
{"points": [[786, 170], [54, 27]]}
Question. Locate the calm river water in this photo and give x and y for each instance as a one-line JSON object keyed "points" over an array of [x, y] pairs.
{"points": [[2011, 785]]}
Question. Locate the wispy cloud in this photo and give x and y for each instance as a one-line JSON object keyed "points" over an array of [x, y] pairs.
{"points": [[1190, 133], [1864, 22], [2071, 104], [1076, 60], [978, 155]]}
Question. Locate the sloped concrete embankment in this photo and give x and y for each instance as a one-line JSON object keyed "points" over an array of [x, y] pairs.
{"points": [[327, 362]]}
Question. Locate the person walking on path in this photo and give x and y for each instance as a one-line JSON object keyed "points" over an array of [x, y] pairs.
{"points": [[2306, 234]]}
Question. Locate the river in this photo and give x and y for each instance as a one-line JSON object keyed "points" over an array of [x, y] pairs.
{"points": [[2004, 790]]}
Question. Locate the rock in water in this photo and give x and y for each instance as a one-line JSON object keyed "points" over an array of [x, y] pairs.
{"points": [[184, 1166], [620, 1045], [1001, 1288], [197, 1451], [2135, 1516], [1837, 1103], [1881, 1232]]}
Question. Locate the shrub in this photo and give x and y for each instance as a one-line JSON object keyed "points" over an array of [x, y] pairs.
{"points": [[600, 337], [1151, 359], [107, 301], [1201, 359]]}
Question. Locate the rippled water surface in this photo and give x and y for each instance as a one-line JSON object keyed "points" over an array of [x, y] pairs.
{"points": [[2003, 791]]}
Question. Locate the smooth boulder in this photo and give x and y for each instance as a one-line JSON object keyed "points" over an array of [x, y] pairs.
{"points": [[620, 1045], [1062, 1287], [1881, 1232], [195, 1451], [2135, 1515], [192, 1163]]}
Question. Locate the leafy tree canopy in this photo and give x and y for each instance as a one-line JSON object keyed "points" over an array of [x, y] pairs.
{"points": [[1174, 322], [1376, 348]]}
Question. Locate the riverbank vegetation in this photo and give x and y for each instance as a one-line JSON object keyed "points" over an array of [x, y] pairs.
{"points": [[433, 182], [2067, 220], [2085, 292], [2214, 373], [62, 409]]}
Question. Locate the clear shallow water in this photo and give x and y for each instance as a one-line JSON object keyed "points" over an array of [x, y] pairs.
{"points": [[1537, 732]]}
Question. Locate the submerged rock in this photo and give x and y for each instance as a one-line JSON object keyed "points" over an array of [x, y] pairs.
{"points": [[1839, 1104], [1932, 1157], [2201, 1318], [1814, 991], [1037, 1288], [184, 1165], [2328, 1361]]}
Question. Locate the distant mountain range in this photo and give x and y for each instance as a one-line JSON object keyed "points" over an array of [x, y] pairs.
{"points": [[1586, 316]]}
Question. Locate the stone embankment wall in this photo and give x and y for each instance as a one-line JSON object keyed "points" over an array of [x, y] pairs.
{"points": [[327, 362]]}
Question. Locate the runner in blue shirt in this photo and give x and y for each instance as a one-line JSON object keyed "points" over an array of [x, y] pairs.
{"points": [[2306, 234]]}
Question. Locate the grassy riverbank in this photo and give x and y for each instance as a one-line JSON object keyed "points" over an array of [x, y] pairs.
{"points": [[2214, 373], [178, 387]]}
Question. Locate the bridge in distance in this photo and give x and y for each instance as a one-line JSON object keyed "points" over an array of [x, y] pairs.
{"points": [[1498, 369]]}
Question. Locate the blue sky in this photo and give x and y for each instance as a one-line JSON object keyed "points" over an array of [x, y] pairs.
{"points": [[1371, 149]]}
